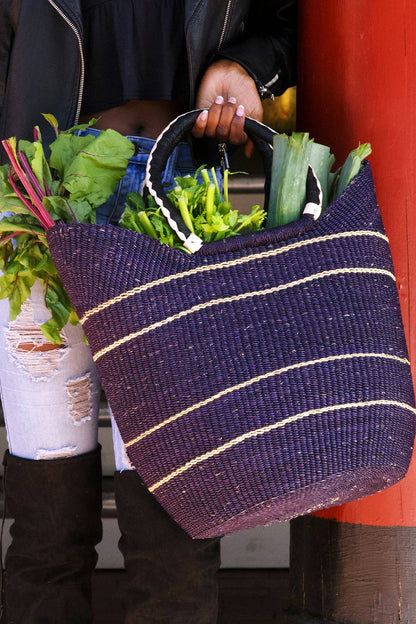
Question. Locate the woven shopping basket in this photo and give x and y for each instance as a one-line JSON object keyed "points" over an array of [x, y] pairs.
{"points": [[263, 376]]}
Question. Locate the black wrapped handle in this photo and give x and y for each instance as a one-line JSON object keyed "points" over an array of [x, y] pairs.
{"points": [[174, 133]]}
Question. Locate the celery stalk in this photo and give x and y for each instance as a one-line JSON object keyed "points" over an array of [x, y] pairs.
{"points": [[205, 176], [146, 224], [225, 184], [209, 202], [183, 208], [217, 188]]}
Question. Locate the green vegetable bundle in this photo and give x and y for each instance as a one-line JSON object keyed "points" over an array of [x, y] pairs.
{"points": [[80, 174], [291, 157], [205, 210], [35, 191]]}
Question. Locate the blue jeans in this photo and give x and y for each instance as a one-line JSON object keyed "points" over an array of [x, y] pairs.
{"points": [[179, 164], [50, 395]]}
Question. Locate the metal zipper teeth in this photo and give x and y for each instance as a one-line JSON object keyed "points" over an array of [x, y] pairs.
{"points": [[225, 25], [222, 36], [81, 54]]}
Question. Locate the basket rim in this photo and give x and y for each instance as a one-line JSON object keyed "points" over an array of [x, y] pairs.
{"points": [[293, 230], [301, 228]]}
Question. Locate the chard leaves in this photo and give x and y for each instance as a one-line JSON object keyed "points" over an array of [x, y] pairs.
{"points": [[92, 173], [80, 174]]}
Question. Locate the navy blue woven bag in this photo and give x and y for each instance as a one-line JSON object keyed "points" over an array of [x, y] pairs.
{"points": [[263, 376]]}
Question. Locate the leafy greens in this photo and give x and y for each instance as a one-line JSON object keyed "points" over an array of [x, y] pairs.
{"points": [[81, 173], [35, 191], [206, 211]]}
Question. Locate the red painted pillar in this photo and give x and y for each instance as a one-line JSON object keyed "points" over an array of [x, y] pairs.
{"points": [[357, 82]]}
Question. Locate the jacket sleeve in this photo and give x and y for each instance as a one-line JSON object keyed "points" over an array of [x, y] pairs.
{"points": [[267, 50], [8, 10]]}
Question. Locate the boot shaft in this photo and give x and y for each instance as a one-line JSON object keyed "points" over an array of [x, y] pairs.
{"points": [[171, 577], [56, 508]]}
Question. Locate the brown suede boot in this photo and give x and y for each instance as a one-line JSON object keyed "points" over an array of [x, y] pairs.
{"points": [[56, 506], [171, 577]]}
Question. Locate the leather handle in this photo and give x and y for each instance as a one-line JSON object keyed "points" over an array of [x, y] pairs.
{"points": [[174, 133]]}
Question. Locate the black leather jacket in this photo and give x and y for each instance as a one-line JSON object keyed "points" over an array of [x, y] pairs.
{"points": [[42, 58]]}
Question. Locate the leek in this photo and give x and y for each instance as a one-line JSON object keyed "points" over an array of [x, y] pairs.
{"points": [[292, 156], [352, 166]]}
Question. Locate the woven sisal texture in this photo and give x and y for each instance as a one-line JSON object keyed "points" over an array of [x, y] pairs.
{"points": [[259, 379]]}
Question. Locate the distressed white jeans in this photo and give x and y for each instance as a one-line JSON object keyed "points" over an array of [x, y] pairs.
{"points": [[50, 393], [50, 397]]}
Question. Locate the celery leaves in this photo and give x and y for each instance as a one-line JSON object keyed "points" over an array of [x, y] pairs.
{"points": [[205, 210]]}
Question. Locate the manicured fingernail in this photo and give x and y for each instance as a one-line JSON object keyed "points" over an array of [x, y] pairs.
{"points": [[203, 116], [232, 100], [240, 111], [219, 99]]}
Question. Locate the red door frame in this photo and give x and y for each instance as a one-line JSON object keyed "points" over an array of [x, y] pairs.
{"points": [[357, 83]]}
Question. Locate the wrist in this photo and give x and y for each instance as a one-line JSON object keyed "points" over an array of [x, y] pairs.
{"points": [[262, 89]]}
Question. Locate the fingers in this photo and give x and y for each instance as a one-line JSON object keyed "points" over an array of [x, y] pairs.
{"points": [[249, 148], [215, 114], [223, 123], [223, 120], [201, 123], [236, 135]]}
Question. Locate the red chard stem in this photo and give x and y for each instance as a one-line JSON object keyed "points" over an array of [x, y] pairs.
{"points": [[14, 234], [23, 199], [20, 195], [32, 178], [8, 237], [42, 214]]}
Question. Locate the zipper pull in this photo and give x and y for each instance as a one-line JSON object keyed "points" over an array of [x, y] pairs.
{"points": [[222, 148], [265, 93]]}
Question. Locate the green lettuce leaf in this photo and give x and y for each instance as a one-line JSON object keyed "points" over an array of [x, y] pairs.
{"points": [[69, 210], [80, 174], [9, 202], [18, 290]]}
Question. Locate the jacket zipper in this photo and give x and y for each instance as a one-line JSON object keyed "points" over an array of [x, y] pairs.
{"points": [[81, 54], [226, 22], [221, 39]]}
